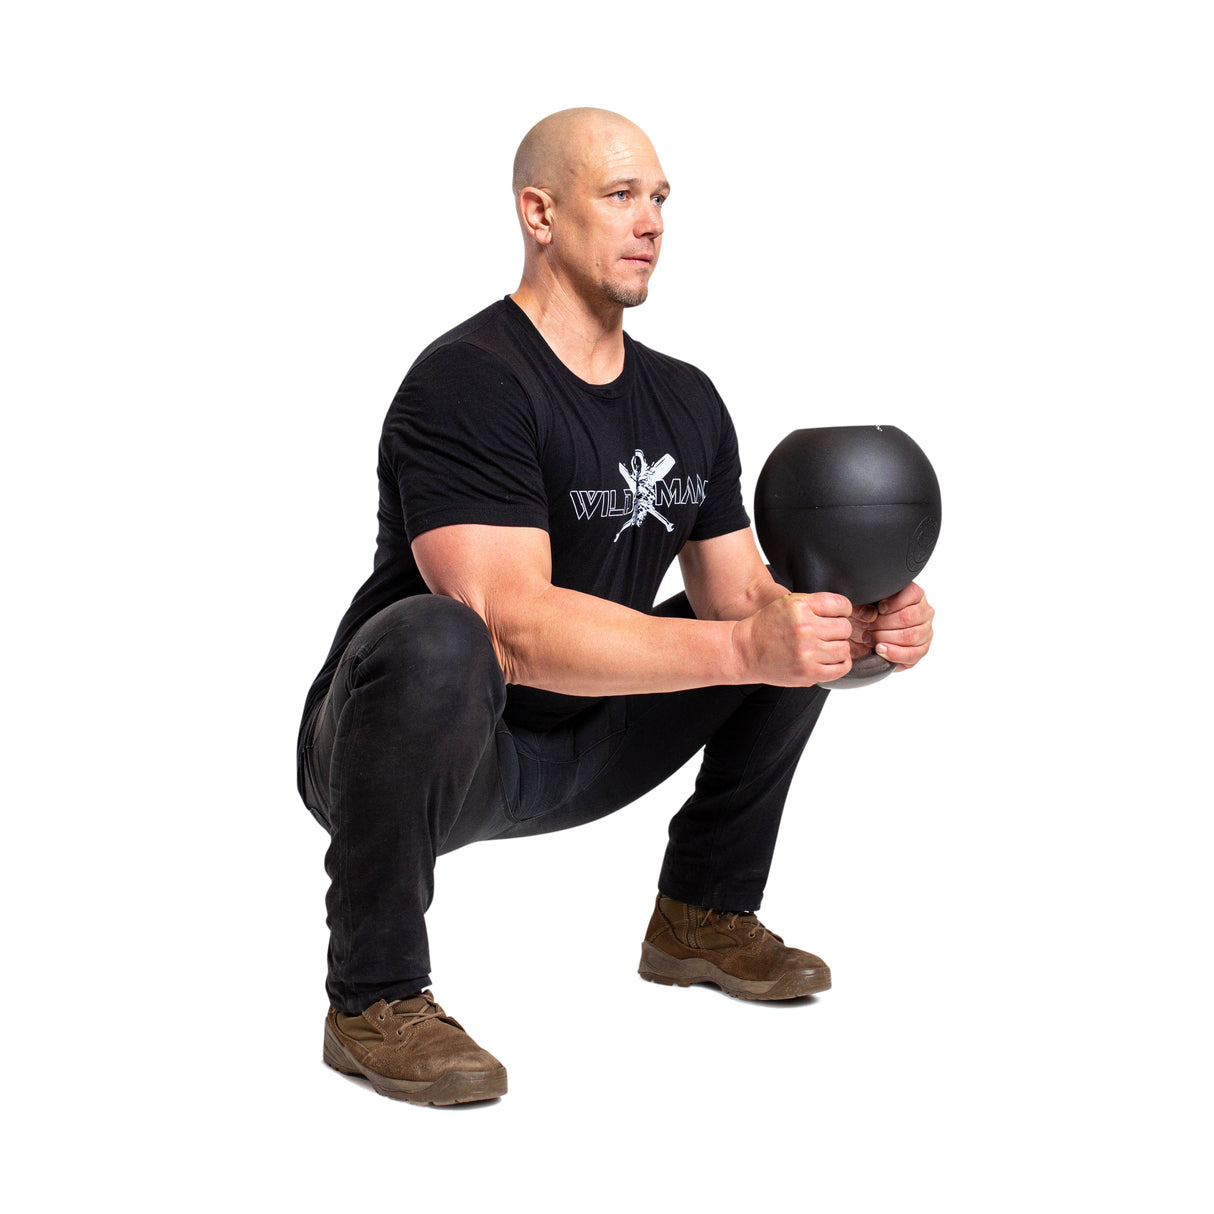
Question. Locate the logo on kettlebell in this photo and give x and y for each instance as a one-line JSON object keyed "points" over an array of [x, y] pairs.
{"points": [[922, 543]]}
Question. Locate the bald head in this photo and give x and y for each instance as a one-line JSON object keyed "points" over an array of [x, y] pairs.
{"points": [[557, 148], [589, 191]]}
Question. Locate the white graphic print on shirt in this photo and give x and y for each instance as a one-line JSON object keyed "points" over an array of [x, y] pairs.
{"points": [[647, 490]]}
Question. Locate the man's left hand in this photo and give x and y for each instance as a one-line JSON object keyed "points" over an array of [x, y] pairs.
{"points": [[899, 627]]}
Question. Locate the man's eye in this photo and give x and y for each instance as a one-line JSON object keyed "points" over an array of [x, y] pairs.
{"points": [[620, 194], [658, 200]]}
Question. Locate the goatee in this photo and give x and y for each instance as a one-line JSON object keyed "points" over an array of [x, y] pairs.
{"points": [[626, 297]]}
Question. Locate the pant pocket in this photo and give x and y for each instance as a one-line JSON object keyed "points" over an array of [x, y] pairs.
{"points": [[309, 786], [555, 766], [508, 769]]}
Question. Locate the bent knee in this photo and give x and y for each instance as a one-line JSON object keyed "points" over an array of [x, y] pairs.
{"points": [[432, 641]]}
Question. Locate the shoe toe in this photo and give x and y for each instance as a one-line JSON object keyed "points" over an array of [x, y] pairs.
{"points": [[802, 960]]}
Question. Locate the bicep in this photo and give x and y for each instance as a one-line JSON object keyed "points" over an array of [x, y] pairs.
{"points": [[483, 565], [725, 576]]}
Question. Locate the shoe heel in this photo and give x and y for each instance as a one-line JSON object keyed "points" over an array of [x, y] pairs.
{"points": [[657, 967], [336, 1058]]}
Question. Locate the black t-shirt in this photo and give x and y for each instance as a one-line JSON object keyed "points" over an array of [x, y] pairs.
{"points": [[490, 427]]}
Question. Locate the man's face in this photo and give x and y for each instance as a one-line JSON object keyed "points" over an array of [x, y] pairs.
{"points": [[607, 228]]}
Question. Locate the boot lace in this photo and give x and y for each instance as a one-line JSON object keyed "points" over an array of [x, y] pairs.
{"points": [[406, 1018], [731, 919]]}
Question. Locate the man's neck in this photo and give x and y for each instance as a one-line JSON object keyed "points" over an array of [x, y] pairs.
{"points": [[589, 344]]}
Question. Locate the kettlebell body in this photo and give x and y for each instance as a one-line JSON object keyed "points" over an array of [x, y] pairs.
{"points": [[850, 509]]}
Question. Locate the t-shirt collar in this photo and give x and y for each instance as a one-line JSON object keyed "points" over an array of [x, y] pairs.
{"points": [[618, 387]]}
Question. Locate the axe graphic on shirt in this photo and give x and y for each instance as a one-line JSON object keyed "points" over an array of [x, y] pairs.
{"points": [[641, 480]]}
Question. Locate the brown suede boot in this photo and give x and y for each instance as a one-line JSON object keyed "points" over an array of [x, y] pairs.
{"points": [[412, 1050], [686, 944]]}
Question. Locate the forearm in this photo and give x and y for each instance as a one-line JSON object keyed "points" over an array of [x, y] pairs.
{"points": [[726, 578], [562, 640], [753, 599]]}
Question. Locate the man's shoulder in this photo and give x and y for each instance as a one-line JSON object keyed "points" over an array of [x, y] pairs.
{"points": [[671, 367], [488, 333], [472, 370]]}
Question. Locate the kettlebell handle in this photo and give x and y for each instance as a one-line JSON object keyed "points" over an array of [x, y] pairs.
{"points": [[868, 669]]}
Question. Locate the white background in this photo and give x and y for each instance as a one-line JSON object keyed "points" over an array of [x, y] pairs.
{"points": [[228, 230]]}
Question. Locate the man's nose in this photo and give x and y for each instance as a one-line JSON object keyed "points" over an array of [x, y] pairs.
{"points": [[649, 221]]}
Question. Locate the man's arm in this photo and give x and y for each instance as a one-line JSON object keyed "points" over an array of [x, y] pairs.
{"points": [[726, 578], [561, 640]]}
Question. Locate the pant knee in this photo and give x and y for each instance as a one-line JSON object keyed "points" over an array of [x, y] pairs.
{"points": [[433, 651]]}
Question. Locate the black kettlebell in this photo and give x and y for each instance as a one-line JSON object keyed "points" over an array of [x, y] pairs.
{"points": [[850, 509]]}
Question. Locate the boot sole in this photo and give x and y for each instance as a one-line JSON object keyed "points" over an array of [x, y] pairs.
{"points": [[662, 968], [455, 1087]]}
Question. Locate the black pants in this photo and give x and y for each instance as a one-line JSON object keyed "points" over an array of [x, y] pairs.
{"points": [[409, 756]]}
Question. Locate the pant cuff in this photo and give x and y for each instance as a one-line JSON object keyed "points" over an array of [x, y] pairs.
{"points": [[358, 1003], [733, 899]]}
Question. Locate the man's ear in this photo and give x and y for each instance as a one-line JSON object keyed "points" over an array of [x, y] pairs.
{"points": [[535, 209]]}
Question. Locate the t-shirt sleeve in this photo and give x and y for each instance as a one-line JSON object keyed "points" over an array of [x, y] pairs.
{"points": [[722, 510], [460, 440]]}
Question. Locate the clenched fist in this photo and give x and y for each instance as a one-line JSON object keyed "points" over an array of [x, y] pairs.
{"points": [[899, 627], [796, 641]]}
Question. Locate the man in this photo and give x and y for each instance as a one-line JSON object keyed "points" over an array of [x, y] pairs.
{"points": [[503, 671]]}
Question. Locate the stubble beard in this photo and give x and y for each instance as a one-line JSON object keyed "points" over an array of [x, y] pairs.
{"points": [[625, 297]]}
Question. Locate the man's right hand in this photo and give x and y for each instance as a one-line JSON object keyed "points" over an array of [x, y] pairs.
{"points": [[796, 641]]}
